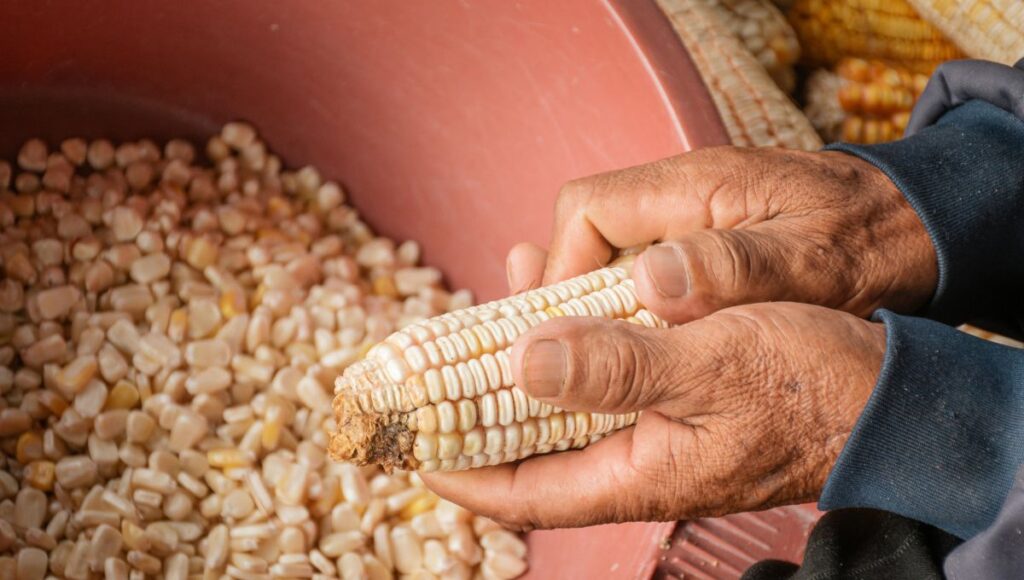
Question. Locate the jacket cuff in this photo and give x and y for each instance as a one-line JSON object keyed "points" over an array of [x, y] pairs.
{"points": [[964, 176], [942, 434]]}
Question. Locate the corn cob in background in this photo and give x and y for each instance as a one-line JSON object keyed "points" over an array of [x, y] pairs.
{"points": [[763, 29], [756, 113], [439, 394], [988, 29], [862, 101], [890, 30]]}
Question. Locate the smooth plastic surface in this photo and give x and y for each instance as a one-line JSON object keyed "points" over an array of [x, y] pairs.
{"points": [[453, 122]]}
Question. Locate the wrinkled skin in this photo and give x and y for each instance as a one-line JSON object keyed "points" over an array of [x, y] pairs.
{"points": [[768, 260]]}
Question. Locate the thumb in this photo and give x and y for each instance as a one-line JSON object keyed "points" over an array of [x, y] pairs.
{"points": [[710, 270], [595, 364]]}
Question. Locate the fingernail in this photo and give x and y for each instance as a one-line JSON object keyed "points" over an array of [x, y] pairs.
{"points": [[667, 271], [544, 368]]}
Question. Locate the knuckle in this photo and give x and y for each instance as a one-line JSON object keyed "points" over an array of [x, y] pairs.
{"points": [[621, 366], [738, 333], [722, 267], [601, 357], [735, 261], [615, 367], [574, 195]]}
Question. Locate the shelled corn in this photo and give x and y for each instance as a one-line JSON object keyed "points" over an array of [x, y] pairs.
{"points": [[763, 29], [889, 30], [988, 29], [439, 394], [168, 330], [752, 107], [862, 101]]}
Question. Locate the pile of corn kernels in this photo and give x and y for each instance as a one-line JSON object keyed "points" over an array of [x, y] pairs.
{"points": [[169, 333]]}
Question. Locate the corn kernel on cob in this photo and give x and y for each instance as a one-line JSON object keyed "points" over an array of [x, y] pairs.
{"points": [[988, 29], [755, 112], [763, 29], [862, 101], [439, 394], [890, 30]]}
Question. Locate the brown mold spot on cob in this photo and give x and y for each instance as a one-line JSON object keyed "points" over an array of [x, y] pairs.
{"points": [[367, 437]]}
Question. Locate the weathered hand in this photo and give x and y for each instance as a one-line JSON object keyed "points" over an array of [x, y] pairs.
{"points": [[739, 226], [744, 409]]}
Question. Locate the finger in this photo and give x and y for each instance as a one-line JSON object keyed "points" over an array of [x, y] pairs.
{"points": [[709, 270], [567, 489], [661, 200], [525, 267], [607, 366]]}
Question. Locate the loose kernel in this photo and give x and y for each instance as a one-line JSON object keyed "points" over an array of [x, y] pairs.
{"points": [[422, 504], [32, 156], [232, 303], [124, 395], [385, 286], [228, 458], [29, 448]]}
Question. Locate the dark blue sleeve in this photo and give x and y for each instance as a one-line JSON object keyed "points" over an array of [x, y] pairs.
{"points": [[964, 176], [943, 432]]}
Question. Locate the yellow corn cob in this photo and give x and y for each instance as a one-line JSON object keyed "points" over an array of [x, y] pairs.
{"points": [[989, 29], [763, 29], [862, 101], [891, 30], [755, 112], [439, 394]]}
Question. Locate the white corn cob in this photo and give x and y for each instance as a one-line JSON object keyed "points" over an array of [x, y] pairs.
{"points": [[439, 394], [763, 29], [755, 112]]}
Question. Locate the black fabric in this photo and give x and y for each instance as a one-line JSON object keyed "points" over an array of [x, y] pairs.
{"points": [[865, 544]]}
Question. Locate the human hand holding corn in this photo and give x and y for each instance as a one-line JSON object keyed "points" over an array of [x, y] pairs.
{"points": [[743, 407]]}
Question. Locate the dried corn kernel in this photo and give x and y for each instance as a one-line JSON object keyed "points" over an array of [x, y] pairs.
{"points": [[124, 395], [29, 447], [228, 458], [385, 286], [40, 474], [232, 303], [422, 504]]}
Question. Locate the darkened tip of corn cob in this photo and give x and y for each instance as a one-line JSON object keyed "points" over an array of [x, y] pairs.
{"points": [[366, 436]]}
